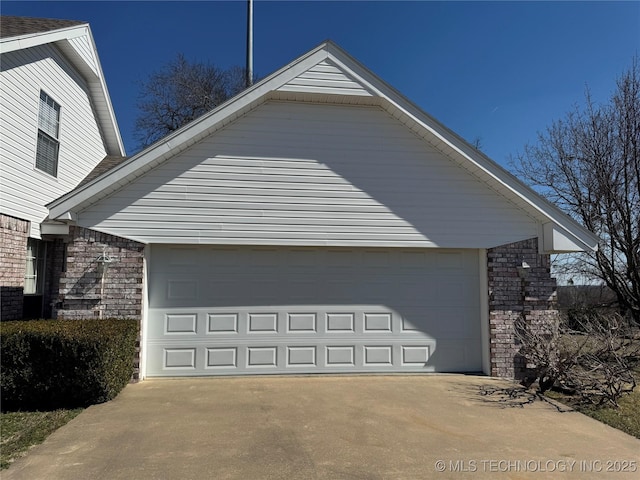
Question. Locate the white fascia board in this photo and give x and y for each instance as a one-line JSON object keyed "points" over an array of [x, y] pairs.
{"points": [[54, 228], [78, 61], [115, 145], [361, 73], [105, 114], [11, 44]]}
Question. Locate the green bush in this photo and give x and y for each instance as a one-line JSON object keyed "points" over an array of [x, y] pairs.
{"points": [[49, 364]]}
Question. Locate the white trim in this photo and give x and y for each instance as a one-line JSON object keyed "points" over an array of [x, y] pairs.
{"points": [[144, 314], [483, 291], [556, 239], [54, 228], [110, 120], [10, 44]]}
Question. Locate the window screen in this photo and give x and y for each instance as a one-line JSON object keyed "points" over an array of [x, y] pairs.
{"points": [[48, 129]]}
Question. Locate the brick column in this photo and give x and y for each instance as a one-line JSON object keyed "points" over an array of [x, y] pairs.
{"points": [[511, 297], [14, 233]]}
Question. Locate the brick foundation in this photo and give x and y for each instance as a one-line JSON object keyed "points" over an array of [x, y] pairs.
{"points": [[13, 255], [511, 296]]}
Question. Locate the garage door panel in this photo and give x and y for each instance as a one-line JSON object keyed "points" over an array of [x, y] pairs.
{"points": [[292, 321], [181, 324], [182, 259], [324, 357], [301, 323], [300, 289], [377, 322], [441, 322], [378, 355], [340, 323], [262, 357], [229, 311], [180, 358], [182, 289], [222, 357], [222, 323], [262, 323], [303, 356], [414, 355]]}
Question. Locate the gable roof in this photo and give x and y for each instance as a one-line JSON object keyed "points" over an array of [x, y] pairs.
{"points": [[327, 74], [75, 40]]}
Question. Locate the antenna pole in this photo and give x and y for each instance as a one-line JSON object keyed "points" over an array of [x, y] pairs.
{"points": [[249, 69]]}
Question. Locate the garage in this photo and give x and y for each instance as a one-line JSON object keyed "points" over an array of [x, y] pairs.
{"points": [[261, 310], [317, 222]]}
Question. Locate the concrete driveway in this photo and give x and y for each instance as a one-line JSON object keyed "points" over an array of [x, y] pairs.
{"points": [[333, 427]]}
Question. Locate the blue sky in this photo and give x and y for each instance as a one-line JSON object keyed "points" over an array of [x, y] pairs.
{"points": [[500, 71]]}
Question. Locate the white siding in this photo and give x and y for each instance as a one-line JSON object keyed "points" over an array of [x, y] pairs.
{"points": [[325, 77], [82, 46], [26, 190], [311, 174]]}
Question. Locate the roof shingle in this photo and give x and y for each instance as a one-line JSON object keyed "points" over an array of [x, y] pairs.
{"points": [[11, 26], [107, 163]]}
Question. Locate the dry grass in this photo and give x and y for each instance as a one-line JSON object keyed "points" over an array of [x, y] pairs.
{"points": [[19, 431], [626, 417]]}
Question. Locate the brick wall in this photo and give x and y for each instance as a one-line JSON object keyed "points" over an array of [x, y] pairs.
{"points": [[89, 290], [13, 251], [510, 297]]}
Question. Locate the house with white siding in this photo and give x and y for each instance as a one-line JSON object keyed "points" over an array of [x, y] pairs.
{"points": [[318, 222], [56, 124]]}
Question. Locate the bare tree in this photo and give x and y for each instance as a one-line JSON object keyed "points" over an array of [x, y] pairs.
{"points": [[476, 143], [588, 163], [180, 92]]}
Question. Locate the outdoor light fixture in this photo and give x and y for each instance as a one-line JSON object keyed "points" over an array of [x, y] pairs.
{"points": [[523, 270], [104, 260]]}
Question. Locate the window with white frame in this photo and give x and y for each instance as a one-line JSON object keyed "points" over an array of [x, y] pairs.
{"points": [[34, 272], [48, 130]]}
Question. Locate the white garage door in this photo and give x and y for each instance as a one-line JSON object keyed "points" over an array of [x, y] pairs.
{"points": [[250, 310]]}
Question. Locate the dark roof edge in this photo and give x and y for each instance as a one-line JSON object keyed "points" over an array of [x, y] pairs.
{"points": [[15, 26]]}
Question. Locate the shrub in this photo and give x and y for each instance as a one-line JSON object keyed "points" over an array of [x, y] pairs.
{"points": [[593, 362], [49, 364]]}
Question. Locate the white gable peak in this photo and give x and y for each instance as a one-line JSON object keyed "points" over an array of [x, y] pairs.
{"points": [[327, 77]]}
